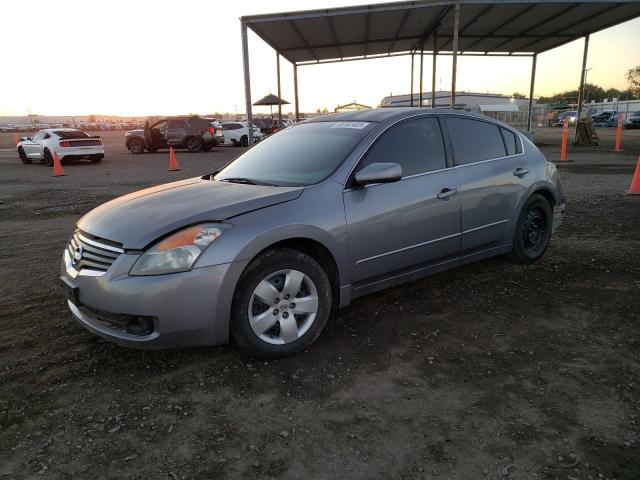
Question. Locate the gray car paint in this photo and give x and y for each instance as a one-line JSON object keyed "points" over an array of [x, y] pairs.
{"points": [[377, 236]]}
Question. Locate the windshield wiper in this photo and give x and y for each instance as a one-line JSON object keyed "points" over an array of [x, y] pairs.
{"points": [[246, 181]]}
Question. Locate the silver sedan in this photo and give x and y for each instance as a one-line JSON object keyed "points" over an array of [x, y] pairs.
{"points": [[304, 222]]}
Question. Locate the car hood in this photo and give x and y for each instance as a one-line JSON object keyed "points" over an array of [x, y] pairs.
{"points": [[139, 218], [134, 133]]}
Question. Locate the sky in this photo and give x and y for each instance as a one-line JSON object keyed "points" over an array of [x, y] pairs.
{"points": [[163, 57]]}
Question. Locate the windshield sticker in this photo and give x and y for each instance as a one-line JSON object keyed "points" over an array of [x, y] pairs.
{"points": [[356, 125]]}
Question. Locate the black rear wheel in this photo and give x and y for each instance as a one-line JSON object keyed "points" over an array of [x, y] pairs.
{"points": [[23, 156], [48, 158], [533, 231], [194, 144]]}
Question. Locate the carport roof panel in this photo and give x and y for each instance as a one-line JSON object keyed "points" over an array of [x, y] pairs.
{"points": [[512, 26]]}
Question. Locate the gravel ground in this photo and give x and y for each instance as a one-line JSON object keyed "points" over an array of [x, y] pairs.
{"points": [[493, 370]]}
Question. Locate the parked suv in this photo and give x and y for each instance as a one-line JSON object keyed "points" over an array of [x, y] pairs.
{"points": [[192, 133], [237, 133]]}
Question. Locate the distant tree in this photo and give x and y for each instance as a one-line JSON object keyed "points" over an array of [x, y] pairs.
{"points": [[633, 77], [518, 95], [318, 111], [324, 110]]}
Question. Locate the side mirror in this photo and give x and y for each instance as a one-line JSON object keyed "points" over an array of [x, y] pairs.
{"points": [[379, 173]]}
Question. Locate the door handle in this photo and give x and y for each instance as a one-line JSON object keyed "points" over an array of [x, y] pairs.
{"points": [[446, 193], [520, 172]]}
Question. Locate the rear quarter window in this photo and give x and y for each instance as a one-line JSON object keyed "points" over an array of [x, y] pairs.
{"points": [[474, 140], [511, 142]]}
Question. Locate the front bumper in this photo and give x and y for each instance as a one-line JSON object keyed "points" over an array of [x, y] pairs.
{"points": [[186, 309]]}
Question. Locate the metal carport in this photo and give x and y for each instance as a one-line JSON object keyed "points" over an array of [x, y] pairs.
{"points": [[435, 27]]}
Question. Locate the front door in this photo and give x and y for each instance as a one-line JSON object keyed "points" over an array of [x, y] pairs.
{"points": [[32, 148], [158, 134], [415, 221]]}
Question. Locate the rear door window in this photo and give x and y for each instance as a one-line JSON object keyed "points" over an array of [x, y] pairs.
{"points": [[177, 124], [416, 145], [474, 140]]}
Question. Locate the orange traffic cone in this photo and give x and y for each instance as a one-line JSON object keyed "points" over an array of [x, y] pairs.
{"points": [[16, 139], [173, 163], [634, 188], [57, 166]]}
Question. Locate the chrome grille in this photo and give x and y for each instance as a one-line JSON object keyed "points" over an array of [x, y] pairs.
{"points": [[92, 254]]}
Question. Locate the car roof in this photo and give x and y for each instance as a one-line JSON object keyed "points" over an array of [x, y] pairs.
{"points": [[382, 114], [51, 130]]}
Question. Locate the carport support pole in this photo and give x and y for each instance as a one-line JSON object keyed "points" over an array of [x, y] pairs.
{"points": [[421, 74], [583, 73], [295, 91], [247, 80], [456, 27], [411, 101], [279, 94], [433, 69], [533, 81]]}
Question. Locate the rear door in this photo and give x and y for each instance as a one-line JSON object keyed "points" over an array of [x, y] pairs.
{"points": [[493, 175], [177, 131], [414, 221]]}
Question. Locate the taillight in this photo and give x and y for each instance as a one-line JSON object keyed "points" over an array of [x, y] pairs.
{"points": [[212, 131], [97, 142], [65, 144]]}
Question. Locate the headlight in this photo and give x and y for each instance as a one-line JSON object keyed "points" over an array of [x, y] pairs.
{"points": [[179, 251]]}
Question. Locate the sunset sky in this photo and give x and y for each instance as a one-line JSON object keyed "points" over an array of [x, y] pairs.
{"points": [[166, 57]]}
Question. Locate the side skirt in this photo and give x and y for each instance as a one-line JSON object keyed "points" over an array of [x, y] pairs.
{"points": [[395, 279]]}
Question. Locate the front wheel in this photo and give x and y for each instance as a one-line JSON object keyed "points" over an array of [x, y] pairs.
{"points": [[533, 231], [136, 146], [281, 304], [23, 156]]}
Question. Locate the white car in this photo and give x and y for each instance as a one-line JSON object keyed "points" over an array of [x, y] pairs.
{"points": [[237, 133], [68, 143]]}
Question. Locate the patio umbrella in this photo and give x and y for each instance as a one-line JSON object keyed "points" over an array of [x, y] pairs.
{"points": [[271, 100]]}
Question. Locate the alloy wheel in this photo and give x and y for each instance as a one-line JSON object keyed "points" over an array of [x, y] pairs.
{"points": [[283, 307]]}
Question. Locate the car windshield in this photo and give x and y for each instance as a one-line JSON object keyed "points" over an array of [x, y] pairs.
{"points": [[300, 155], [70, 134]]}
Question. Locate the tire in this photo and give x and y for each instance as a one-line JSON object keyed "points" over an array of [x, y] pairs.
{"points": [[533, 231], [244, 141], [269, 329], [193, 144], [48, 158], [136, 146], [23, 156]]}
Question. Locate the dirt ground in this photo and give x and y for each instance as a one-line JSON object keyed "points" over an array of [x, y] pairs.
{"points": [[490, 371]]}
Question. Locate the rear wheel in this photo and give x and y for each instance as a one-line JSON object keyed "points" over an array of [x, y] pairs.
{"points": [[23, 156], [533, 231], [48, 158], [136, 146], [193, 144], [281, 304]]}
